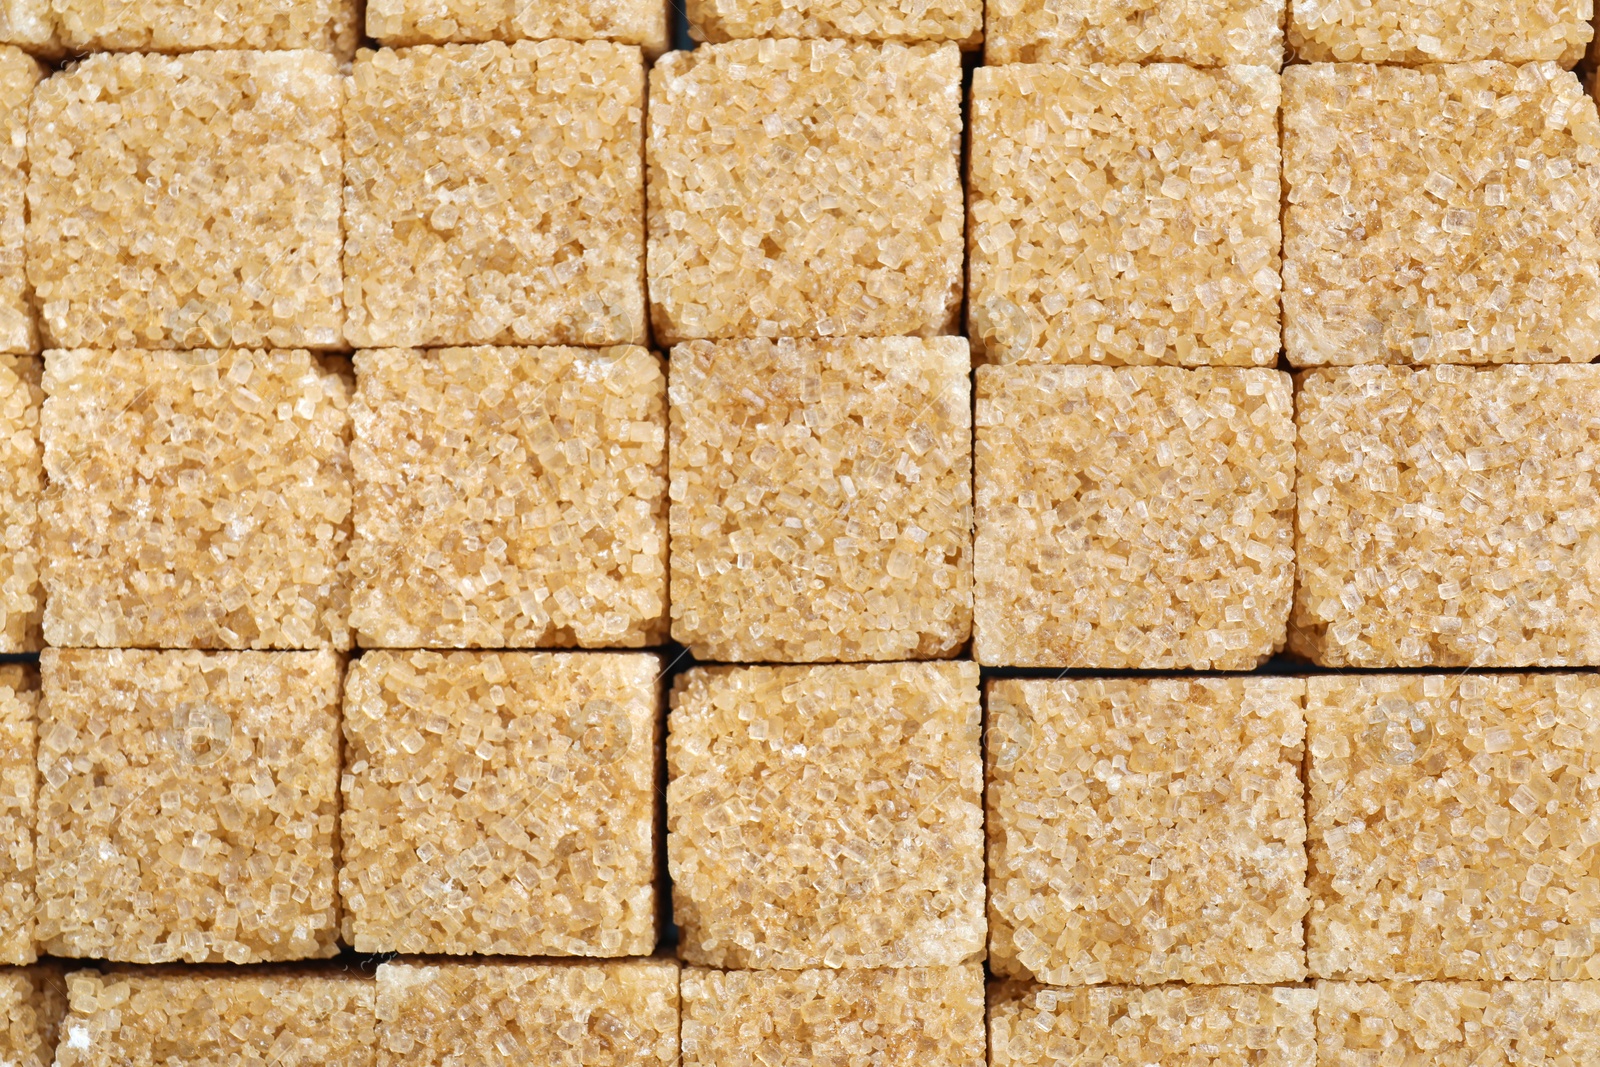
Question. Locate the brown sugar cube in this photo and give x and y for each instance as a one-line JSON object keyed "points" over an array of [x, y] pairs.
{"points": [[1446, 214], [1453, 826], [409, 22], [805, 188], [219, 1017], [196, 499], [960, 21], [32, 1003], [187, 201], [1174, 1026], [510, 498], [1125, 215], [19, 73], [1201, 33], [1132, 518], [621, 1013], [187, 806], [22, 486], [501, 803], [826, 816], [1443, 31], [19, 788], [30, 25], [1457, 1024], [494, 194], [1446, 516], [1147, 830], [822, 499], [182, 26], [917, 1017]]}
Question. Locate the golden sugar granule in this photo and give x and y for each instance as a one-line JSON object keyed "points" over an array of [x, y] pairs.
{"points": [[1174, 1026], [1454, 826], [32, 1003], [19, 789], [1440, 31], [822, 499], [1147, 831], [187, 806], [1124, 215], [621, 1013], [1447, 517], [1201, 33], [196, 499], [187, 201], [915, 1017], [826, 816], [1441, 215], [500, 802], [29, 24], [185, 26], [409, 22], [805, 188], [19, 73], [1457, 1024], [510, 498], [494, 194], [1132, 518], [960, 21], [219, 1017], [22, 486]]}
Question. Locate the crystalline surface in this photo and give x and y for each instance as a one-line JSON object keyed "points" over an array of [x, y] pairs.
{"points": [[19, 73], [21, 488], [30, 25], [1440, 31], [185, 26], [19, 788], [1203, 33], [874, 20], [32, 1002], [408, 22]]}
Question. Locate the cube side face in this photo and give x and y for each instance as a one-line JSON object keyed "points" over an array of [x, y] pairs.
{"points": [[959, 21], [821, 499], [1457, 31], [552, 852], [199, 825], [1436, 463], [1034, 1026], [513, 249], [1401, 182], [615, 1014], [1448, 829], [510, 498], [1457, 1024], [197, 499], [931, 1016], [22, 487], [32, 1003], [1132, 518], [1096, 785], [241, 243], [805, 188], [1202, 33], [19, 789], [400, 23], [19, 73], [1125, 215], [172, 26], [767, 848]]}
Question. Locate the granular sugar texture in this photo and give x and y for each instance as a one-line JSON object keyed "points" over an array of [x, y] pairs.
{"points": [[186, 26], [32, 1002], [1200, 33], [19, 790], [19, 73], [1410, 32], [410, 22], [22, 486], [872, 20]]}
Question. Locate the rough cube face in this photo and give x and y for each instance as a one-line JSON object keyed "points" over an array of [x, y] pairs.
{"points": [[218, 1018], [22, 486], [1440, 31], [187, 806], [551, 848], [1452, 825], [509, 498], [177, 26], [494, 194], [917, 1017], [19, 73], [805, 188], [1147, 831], [196, 499], [29, 24], [1175, 1026], [826, 816], [1447, 517], [615, 1014], [1202, 33], [873, 20], [1132, 518], [821, 499], [32, 1002], [1125, 215], [410, 22], [232, 237], [1457, 1024], [19, 788], [1440, 215]]}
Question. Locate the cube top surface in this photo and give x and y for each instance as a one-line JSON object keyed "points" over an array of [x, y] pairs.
{"points": [[22, 487], [960, 21], [1202, 33], [1441, 31], [414, 22]]}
